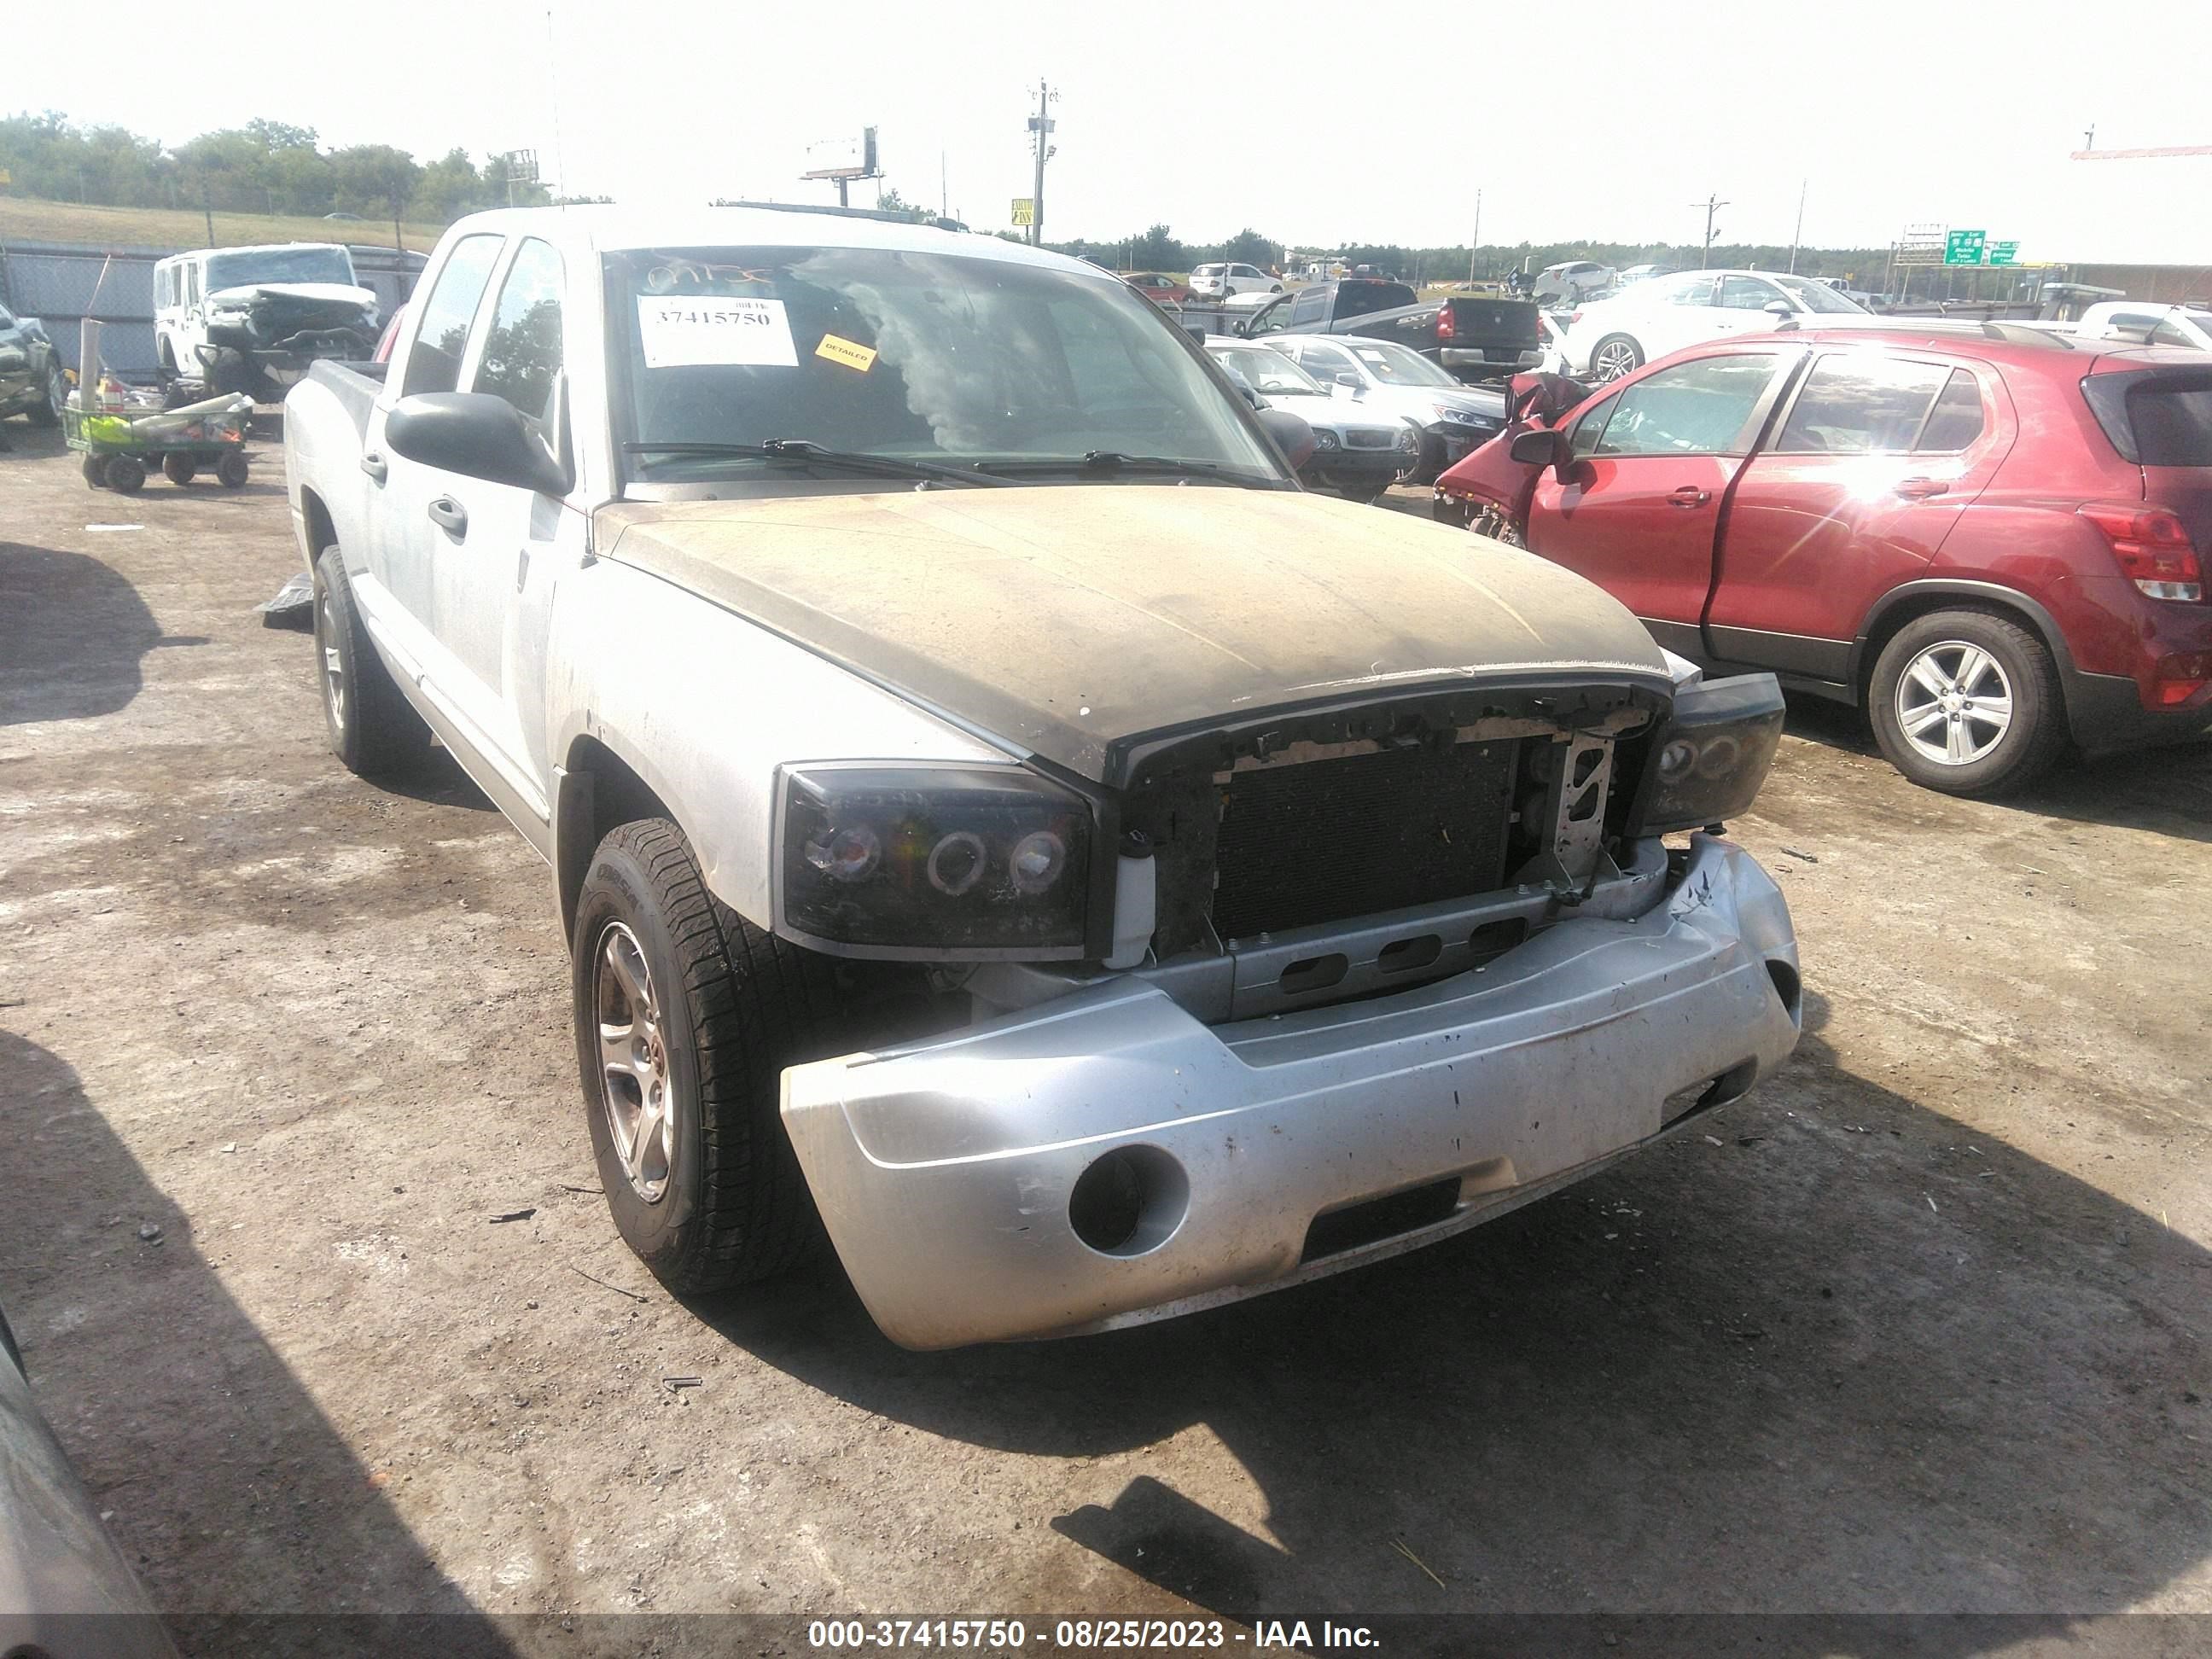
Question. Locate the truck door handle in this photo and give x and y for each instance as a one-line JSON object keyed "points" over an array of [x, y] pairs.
{"points": [[449, 515], [1919, 490], [1690, 496], [373, 464]]}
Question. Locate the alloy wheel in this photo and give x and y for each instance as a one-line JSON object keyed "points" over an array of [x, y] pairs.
{"points": [[634, 1087], [326, 642], [1613, 360], [1954, 704]]}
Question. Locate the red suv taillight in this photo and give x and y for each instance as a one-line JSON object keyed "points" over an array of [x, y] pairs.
{"points": [[1447, 326], [2153, 548]]}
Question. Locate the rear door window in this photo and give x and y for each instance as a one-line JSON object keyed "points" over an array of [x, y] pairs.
{"points": [[1955, 423], [1855, 404], [1701, 408], [1309, 307], [434, 361]]}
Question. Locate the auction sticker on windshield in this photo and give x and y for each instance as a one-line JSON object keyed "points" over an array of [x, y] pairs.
{"points": [[682, 330]]}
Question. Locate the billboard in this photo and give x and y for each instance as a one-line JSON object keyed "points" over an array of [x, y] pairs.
{"points": [[843, 158]]}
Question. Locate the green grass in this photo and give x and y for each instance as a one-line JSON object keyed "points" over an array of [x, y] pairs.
{"points": [[25, 219]]}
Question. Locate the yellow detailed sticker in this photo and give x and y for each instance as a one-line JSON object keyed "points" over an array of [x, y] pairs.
{"points": [[848, 352]]}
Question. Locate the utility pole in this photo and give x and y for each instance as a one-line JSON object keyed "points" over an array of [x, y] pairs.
{"points": [[1712, 204], [207, 207], [2089, 138], [1041, 126], [1798, 234], [1478, 237]]}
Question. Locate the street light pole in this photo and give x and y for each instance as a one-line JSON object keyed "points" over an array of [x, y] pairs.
{"points": [[1478, 237], [1798, 234]]}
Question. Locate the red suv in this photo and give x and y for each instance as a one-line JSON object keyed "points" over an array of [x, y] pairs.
{"points": [[1990, 538]]}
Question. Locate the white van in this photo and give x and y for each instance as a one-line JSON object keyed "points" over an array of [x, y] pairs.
{"points": [[252, 319]]}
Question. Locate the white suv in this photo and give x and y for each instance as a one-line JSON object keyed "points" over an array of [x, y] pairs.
{"points": [[1221, 281]]}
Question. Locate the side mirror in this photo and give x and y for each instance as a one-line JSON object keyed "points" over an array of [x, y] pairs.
{"points": [[1779, 308], [477, 435], [1544, 446], [1291, 434], [1351, 381]]}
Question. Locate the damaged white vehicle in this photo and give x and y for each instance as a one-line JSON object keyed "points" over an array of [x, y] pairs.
{"points": [[252, 320], [1002, 824]]}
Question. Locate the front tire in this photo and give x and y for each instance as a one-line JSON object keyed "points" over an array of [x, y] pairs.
{"points": [[49, 413], [686, 1017], [1613, 357], [180, 469], [125, 474], [1968, 702], [374, 730]]}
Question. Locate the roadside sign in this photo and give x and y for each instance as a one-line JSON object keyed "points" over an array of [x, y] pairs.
{"points": [[1964, 247], [2001, 253], [1025, 210]]}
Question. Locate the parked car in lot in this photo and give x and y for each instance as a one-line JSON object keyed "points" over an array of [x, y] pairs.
{"points": [[1571, 280], [2186, 326], [1154, 286], [251, 319], [1385, 378], [66, 1591], [1608, 338], [1474, 338], [1992, 540], [33, 383], [1000, 822], [1643, 273], [1219, 281], [1357, 452]]}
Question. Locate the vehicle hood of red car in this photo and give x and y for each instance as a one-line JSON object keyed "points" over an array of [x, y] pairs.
{"points": [[1072, 620]]}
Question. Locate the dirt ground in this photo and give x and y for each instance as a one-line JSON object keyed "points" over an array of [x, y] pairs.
{"points": [[1921, 1325]]}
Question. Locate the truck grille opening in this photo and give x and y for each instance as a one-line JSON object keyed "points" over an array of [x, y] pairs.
{"points": [[1356, 835], [1378, 1218]]}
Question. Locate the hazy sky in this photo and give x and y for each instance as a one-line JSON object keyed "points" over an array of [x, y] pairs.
{"points": [[1312, 123]]}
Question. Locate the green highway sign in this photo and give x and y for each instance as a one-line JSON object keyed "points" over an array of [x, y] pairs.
{"points": [[2001, 253], [1964, 247]]}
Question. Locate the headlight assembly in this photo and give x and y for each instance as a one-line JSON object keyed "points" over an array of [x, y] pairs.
{"points": [[934, 861], [1706, 763]]}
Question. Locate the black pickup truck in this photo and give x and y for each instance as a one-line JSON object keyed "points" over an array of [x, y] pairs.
{"points": [[1476, 340]]}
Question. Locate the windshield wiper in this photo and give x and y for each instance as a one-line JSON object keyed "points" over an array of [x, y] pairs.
{"points": [[807, 450], [1113, 460]]}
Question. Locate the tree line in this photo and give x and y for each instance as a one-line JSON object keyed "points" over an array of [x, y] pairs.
{"points": [[1158, 249], [263, 167]]}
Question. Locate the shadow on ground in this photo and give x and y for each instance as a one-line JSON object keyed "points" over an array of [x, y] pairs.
{"points": [[1829, 1351], [2166, 791], [71, 634], [121, 1333]]}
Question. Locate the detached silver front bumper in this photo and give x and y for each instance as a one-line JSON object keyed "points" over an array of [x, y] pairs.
{"points": [[945, 1171]]}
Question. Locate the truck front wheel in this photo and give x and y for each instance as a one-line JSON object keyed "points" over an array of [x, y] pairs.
{"points": [[686, 1016]]}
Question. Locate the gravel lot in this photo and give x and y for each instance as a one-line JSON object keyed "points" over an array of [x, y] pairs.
{"points": [[1921, 1325]]}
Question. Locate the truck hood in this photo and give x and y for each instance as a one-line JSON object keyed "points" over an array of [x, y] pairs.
{"points": [[1072, 621], [329, 293]]}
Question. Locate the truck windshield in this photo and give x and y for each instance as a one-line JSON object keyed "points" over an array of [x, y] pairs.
{"points": [[278, 265], [936, 358]]}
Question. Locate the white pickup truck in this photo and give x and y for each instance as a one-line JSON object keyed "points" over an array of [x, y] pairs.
{"points": [[999, 821]]}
